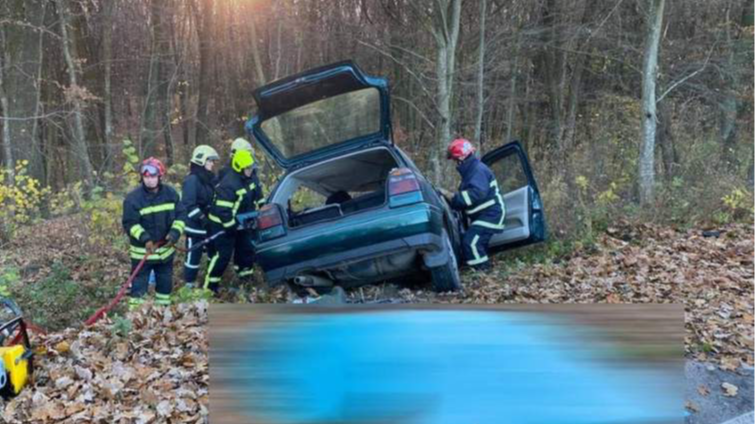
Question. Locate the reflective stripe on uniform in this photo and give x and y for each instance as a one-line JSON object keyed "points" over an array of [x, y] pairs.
{"points": [[178, 225], [188, 264], [478, 208], [246, 272], [209, 279], [162, 253], [134, 302], [465, 196], [157, 208], [195, 212], [162, 299], [217, 220], [486, 224], [190, 230], [477, 258], [224, 203], [136, 231], [482, 260], [499, 198]]}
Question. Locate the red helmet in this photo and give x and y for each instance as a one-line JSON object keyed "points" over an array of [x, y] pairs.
{"points": [[153, 167], [460, 149]]}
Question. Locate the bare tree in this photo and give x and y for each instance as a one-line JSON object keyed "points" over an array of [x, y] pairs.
{"points": [[21, 25], [654, 20], [446, 18], [206, 58], [76, 94], [4, 108], [107, 58], [480, 75]]}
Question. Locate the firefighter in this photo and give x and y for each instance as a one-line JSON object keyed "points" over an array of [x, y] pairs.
{"points": [[238, 192], [197, 195], [151, 218], [238, 144], [480, 199]]}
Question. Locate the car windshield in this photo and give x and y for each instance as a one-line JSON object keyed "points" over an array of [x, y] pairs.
{"points": [[325, 122]]}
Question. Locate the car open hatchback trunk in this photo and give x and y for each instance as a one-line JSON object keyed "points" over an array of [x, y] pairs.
{"points": [[337, 187]]}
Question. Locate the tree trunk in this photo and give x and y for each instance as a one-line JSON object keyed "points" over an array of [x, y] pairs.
{"points": [[206, 58], [747, 41], [156, 117], [730, 106], [164, 78], [107, 57], [649, 77], [480, 75], [71, 58], [20, 40], [260, 77], [446, 31], [665, 140], [4, 107], [554, 60], [511, 107]]}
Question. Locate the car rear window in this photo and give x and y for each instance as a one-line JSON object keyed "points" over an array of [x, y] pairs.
{"points": [[325, 122]]}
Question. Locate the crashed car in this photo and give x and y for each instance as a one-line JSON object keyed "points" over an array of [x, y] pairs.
{"points": [[351, 207]]}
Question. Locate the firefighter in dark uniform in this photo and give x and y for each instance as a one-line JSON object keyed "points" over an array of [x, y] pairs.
{"points": [[238, 192], [197, 195], [238, 145], [152, 214], [480, 199]]}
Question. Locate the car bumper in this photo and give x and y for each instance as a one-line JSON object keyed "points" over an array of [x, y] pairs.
{"points": [[420, 243]]}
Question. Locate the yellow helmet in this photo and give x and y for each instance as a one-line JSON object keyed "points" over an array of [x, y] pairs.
{"points": [[240, 144], [202, 154], [242, 159]]}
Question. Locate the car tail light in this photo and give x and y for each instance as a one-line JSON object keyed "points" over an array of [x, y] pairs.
{"points": [[270, 222], [403, 187], [402, 180]]}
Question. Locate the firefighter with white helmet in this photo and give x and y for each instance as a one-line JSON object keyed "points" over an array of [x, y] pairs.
{"points": [[197, 194]]}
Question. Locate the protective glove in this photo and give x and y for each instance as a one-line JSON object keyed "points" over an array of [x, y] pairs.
{"points": [[150, 246], [447, 194], [172, 238]]}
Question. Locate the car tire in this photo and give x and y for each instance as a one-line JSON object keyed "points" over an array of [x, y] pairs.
{"points": [[446, 277]]}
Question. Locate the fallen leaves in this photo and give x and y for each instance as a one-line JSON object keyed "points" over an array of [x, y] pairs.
{"points": [[730, 390], [703, 390], [158, 373]]}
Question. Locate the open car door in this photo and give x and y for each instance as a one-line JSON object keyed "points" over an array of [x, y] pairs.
{"points": [[525, 219]]}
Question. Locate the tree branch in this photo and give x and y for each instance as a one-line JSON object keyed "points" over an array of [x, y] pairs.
{"points": [[681, 81]]}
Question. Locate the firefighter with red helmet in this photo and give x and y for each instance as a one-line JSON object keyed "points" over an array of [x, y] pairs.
{"points": [[152, 218], [481, 201]]}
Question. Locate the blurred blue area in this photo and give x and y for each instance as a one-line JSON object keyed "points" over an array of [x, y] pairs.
{"points": [[438, 367]]}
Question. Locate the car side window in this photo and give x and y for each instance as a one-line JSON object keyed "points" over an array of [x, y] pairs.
{"points": [[509, 173]]}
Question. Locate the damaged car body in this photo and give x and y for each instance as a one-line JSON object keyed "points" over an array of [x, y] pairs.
{"points": [[352, 208]]}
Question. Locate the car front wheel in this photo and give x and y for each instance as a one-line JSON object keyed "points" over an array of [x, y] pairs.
{"points": [[446, 277]]}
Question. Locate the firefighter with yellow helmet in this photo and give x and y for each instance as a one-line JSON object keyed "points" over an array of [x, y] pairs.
{"points": [[238, 192], [238, 144]]}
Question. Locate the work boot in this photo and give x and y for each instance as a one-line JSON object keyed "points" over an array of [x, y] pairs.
{"points": [[135, 303], [483, 267], [162, 299]]}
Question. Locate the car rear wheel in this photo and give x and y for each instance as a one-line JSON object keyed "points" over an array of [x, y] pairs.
{"points": [[446, 277]]}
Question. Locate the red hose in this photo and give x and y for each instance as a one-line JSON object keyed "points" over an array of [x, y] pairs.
{"points": [[122, 292]]}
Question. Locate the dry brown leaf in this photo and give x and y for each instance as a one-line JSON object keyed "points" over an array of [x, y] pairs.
{"points": [[730, 390]]}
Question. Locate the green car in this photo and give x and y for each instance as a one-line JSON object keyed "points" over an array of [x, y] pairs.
{"points": [[352, 208]]}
